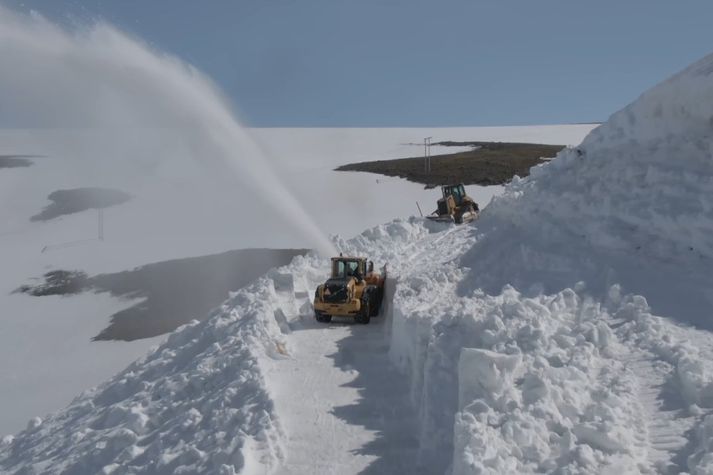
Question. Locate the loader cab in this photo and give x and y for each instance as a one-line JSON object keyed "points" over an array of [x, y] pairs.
{"points": [[456, 191], [345, 267]]}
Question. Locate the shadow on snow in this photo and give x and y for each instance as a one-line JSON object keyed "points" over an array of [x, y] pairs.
{"points": [[384, 405]]}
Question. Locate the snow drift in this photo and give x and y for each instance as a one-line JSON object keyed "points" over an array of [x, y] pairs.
{"points": [[532, 351], [197, 404], [634, 199], [641, 181]]}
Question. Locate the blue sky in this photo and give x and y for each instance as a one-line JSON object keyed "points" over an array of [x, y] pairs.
{"points": [[415, 62]]}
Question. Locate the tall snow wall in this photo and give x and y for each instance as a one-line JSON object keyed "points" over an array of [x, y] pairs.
{"points": [[640, 182], [618, 229]]}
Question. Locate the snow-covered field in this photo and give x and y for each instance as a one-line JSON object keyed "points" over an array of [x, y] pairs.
{"points": [[162, 222], [112, 113], [566, 331]]}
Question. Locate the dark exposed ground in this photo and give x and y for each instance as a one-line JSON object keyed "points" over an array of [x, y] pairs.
{"points": [[58, 282], [80, 199], [173, 292], [489, 163], [15, 161]]}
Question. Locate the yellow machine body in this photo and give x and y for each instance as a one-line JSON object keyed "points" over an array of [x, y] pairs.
{"points": [[455, 206], [354, 289]]}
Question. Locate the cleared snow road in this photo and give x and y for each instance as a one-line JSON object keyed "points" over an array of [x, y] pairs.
{"points": [[341, 402], [343, 405]]}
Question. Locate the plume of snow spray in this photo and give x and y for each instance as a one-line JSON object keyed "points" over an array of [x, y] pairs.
{"points": [[100, 78]]}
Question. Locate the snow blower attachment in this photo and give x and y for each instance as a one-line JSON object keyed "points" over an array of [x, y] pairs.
{"points": [[455, 206], [353, 290]]}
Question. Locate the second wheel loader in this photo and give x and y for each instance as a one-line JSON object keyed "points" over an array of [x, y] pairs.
{"points": [[455, 206]]}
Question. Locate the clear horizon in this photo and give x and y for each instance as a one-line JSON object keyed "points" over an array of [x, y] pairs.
{"points": [[420, 63]]}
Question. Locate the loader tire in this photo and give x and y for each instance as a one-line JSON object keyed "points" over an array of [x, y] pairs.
{"points": [[322, 318], [365, 312], [379, 301]]}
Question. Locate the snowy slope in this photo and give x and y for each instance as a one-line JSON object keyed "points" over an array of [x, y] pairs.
{"points": [[502, 383], [197, 404], [579, 320], [511, 383]]}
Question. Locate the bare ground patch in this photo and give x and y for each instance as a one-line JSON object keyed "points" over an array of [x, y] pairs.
{"points": [[488, 163], [76, 200], [171, 293], [16, 161]]}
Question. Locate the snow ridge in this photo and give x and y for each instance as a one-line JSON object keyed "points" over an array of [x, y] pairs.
{"points": [[508, 384], [641, 181], [541, 346], [197, 404]]}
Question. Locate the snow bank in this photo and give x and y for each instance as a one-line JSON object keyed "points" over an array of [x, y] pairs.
{"points": [[544, 401], [508, 384], [640, 183], [631, 205], [511, 383], [197, 404], [521, 346], [702, 458]]}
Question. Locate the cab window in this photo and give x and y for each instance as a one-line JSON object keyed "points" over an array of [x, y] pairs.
{"points": [[352, 268], [339, 269], [458, 193]]}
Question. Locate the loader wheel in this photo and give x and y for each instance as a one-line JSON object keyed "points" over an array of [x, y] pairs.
{"points": [[322, 318], [365, 313], [379, 302]]}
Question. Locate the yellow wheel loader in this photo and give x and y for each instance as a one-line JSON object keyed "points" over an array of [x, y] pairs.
{"points": [[353, 290], [455, 206]]}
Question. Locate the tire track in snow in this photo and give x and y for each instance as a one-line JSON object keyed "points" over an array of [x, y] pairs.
{"points": [[668, 436], [334, 424], [665, 436], [339, 400]]}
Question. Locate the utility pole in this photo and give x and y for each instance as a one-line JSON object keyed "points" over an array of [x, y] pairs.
{"points": [[427, 154], [100, 223]]}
